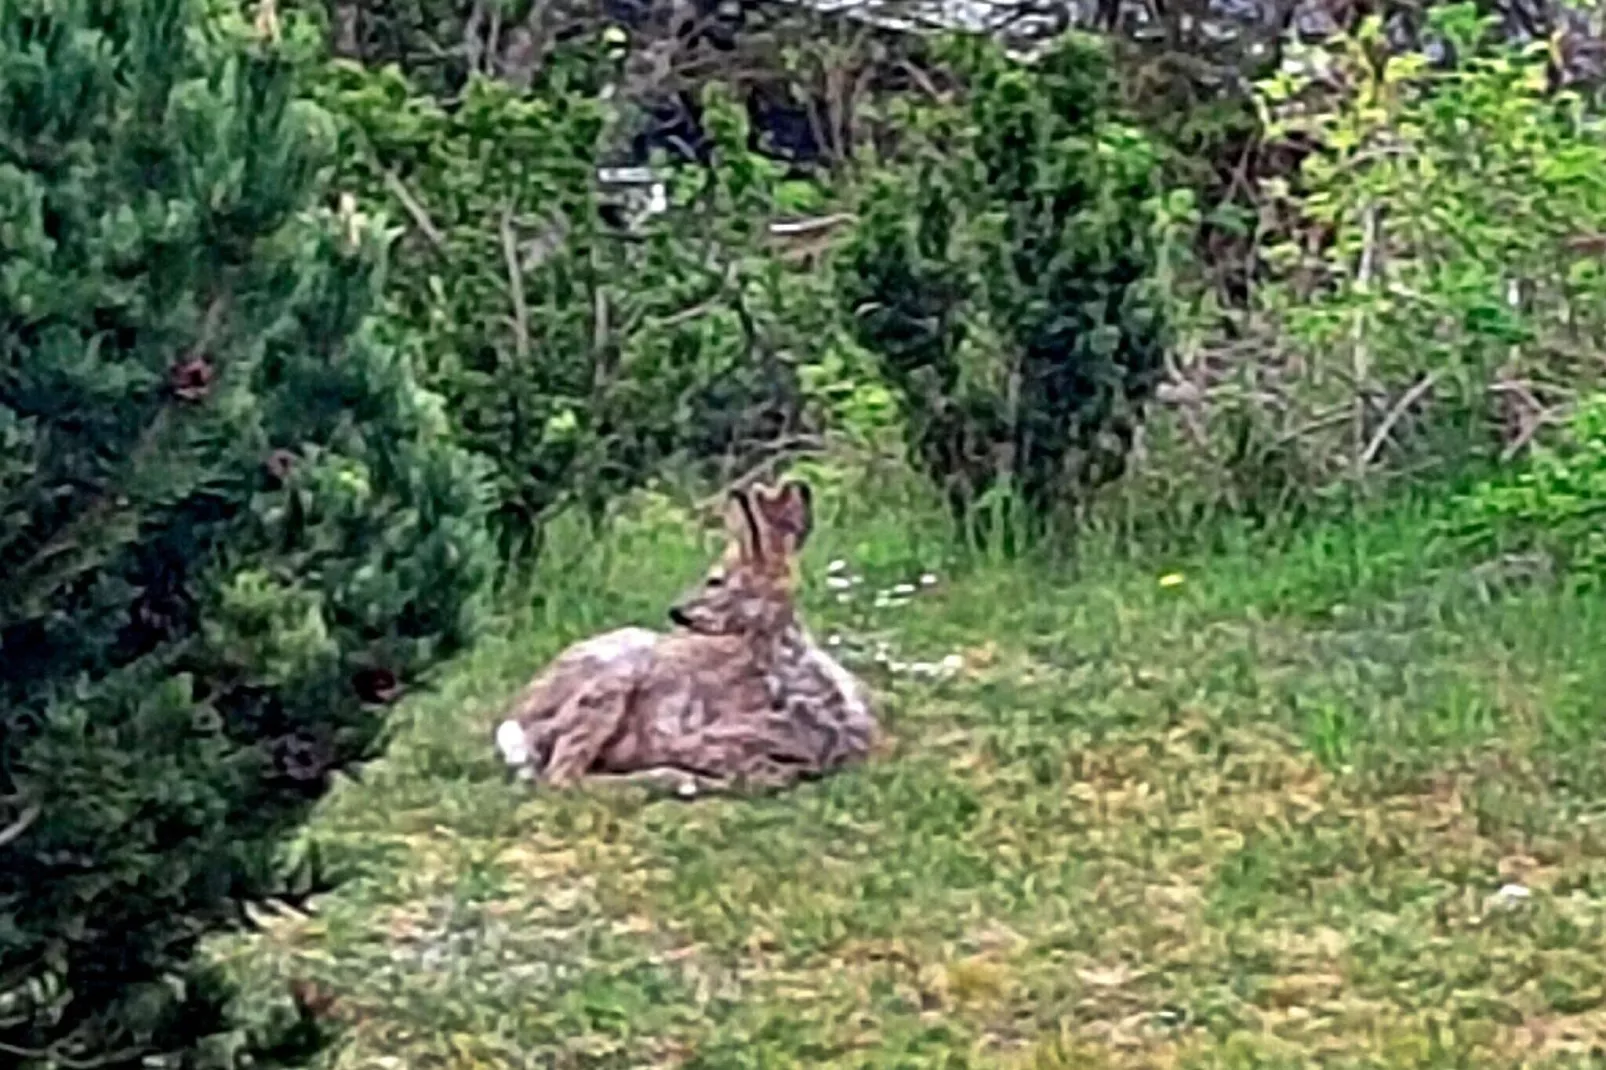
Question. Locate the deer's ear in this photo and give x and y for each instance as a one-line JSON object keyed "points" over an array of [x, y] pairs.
{"points": [[786, 515], [742, 522]]}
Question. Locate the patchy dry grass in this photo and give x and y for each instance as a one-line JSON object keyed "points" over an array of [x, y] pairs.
{"points": [[1310, 808]]}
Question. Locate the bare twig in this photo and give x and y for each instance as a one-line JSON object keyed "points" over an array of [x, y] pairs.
{"points": [[795, 227], [1332, 418], [1521, 390], [776, 451], [1524, 437], [493, 39], [1409, 398], [53, 1054], [1532, 417], [604, 355], [686, 315], [721, 290], [540, 248], [20, 825], [1588, 244], [921, 79], [473, 44], [802, 239], [515, 284], [1360, 357], [426, 226], [1540, 417]]}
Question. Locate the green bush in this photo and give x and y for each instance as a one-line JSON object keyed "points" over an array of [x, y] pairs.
{"points": [[1554, 503], [1432, 261], [232, 526], [490, 287], [1002, 273], [577, 359]]}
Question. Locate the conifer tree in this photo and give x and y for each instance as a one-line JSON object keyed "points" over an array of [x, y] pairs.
{"points": [[233, 529]]}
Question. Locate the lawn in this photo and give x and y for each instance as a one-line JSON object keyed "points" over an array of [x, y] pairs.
{"points": [[1311, 805]]}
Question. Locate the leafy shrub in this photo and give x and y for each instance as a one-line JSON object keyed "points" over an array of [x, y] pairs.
{"points": [[491, 285], [1002, 275], [232, 526], [576, 358], [1428, 287], [1434, 261], [1554, 503]]}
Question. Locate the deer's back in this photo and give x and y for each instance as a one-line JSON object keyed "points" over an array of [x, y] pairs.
{"points": [[613, 659]]}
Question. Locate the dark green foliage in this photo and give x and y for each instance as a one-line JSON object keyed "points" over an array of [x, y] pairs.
{"points": [[577, 355], [492, 296], [232, 528], [1002, 273]]}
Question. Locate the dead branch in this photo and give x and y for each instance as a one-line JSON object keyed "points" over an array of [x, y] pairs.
{"points": [[1338, 414], [426, 226], [493, 38], [540, 248], [23, 822], [686, 315], [515, 282], [473, 45], [1535, 415], [775, 451], [1409, 398], [1360, 355], [54, 1055], [794, 228]]}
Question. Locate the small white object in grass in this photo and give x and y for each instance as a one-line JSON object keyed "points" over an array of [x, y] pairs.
{"points": [[836, 566], [928, 579], [838, 583], [903, 590], [833, 640], [953, 663], [688, 788], [1513, 893], [844, 598], [512, 742]]}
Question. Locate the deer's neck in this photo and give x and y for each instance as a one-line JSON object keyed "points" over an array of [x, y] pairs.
{"points": [[786, 643]]}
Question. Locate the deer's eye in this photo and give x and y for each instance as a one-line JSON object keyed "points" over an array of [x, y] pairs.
{"points": [[716, 581]]}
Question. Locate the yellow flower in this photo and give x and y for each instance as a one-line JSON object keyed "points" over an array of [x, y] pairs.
{"points": [[1171, 579]]}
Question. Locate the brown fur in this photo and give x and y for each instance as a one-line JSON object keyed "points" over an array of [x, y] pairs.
{"points": [[737, 693]]}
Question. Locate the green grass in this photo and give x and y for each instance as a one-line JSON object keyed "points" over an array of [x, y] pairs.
{"points": [[1255, 819]]}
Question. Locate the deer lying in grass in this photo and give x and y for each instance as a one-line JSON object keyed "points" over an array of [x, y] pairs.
{"points": [[737, 693]]}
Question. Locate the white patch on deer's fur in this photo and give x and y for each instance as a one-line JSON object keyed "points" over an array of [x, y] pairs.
{"points": [[513, 743]]}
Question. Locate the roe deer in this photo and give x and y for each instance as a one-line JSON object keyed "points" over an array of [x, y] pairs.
{"points": [[738, 692]]}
